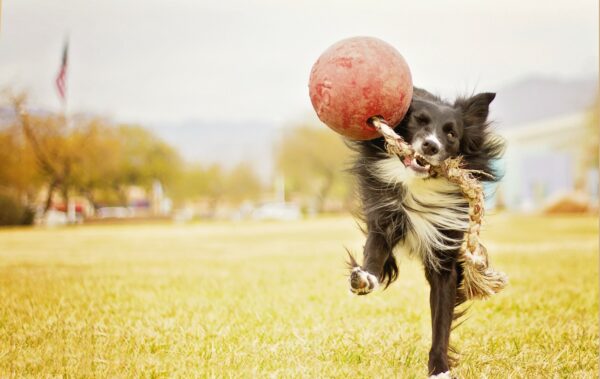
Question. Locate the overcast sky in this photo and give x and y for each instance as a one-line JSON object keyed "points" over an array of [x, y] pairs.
{"points": [[157, 61]]}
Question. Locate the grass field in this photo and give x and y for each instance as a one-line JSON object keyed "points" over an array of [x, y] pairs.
{"points": [[244, 300]]}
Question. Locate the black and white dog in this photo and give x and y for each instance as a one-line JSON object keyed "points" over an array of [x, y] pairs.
{"points": [[404, 208]]}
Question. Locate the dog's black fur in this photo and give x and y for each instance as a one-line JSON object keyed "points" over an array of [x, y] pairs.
{"points": [[462, 129]]}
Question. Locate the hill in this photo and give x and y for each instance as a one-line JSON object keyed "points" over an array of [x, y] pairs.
{"points": [[536, 98]]}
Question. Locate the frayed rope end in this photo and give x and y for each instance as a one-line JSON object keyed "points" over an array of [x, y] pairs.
{"points": [[480, 282]]}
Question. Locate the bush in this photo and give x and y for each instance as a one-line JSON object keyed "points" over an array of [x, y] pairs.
{"points": [[13, 212]]}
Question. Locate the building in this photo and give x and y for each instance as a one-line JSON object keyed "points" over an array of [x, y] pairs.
{"points": [[547, 159]]}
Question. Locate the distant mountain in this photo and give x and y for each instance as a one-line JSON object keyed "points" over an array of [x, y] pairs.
{"points": [[536, 98], [8, 115]]}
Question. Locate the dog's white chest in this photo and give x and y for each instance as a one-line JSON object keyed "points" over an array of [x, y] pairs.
{"points": [[431, 205]]}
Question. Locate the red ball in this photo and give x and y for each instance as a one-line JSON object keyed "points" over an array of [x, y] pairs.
{"points": [[358, 78]]}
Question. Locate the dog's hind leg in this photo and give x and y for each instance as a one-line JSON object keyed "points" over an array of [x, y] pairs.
{"points": [[442, 300]]}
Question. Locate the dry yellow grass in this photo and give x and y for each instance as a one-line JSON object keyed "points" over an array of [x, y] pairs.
{"points": [[270, 300]]}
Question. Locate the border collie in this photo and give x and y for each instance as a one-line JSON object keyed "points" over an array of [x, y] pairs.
{"points": [[404, 208]]}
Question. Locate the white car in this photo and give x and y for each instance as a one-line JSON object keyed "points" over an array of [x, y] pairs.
{"points": [[113, 212], [277, 211], [54, 218]]}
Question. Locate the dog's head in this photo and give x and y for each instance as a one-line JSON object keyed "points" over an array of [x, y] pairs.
{"points": [[439, 130]]}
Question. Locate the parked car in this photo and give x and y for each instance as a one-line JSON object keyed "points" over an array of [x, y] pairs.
{"points": [[277, 211], [53, 218], [113, 212]]}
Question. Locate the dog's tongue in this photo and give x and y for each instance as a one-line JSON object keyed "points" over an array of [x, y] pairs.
{"points": [[407, 160]]}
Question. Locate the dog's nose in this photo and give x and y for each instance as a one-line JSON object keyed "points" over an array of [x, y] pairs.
{"points": [[430, 147]]}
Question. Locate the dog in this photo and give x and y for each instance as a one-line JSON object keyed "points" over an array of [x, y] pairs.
{"points": [[405, 208]]}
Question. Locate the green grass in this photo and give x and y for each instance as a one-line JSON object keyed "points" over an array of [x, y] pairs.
{"points": [[245, 300]]}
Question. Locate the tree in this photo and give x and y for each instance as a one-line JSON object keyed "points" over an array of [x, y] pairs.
{"points": [[215, 185], [313, 161], [48, 140], [90, 155], [18, 173], [98, 159], [196, 182], [145, 158], [242, 184]]}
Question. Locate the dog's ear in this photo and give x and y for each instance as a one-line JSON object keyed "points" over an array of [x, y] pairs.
{"points": [[475, 109]]}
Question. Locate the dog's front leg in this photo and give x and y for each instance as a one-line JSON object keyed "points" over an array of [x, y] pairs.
{"points": [[442, 300], [365, 279]]}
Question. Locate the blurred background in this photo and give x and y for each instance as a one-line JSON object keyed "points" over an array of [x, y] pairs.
{"points": [[169, 128], [199, 110]]}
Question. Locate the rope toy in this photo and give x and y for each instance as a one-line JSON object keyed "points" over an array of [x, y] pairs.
{"points": [[358, 87]]}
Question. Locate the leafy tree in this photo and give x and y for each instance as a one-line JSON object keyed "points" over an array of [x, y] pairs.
{"points": [[145, 158], [313, 161], [216, 185], [89, 155], [242, 183], [48, 140], [18, 173], [98, 158]]}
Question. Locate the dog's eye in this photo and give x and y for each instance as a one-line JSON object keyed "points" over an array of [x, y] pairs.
{"points": [[422, 119], [449, 130]]}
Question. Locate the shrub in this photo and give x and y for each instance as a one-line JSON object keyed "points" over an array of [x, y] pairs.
{"points": [[13, 212]]}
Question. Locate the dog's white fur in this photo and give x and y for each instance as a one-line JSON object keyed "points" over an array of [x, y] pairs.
{"points": [[431, 138], [430, 203], [443, 375], [367, 279]]}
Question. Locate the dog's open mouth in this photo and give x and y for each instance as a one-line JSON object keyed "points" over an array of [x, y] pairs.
{"points": [[419, 164]]}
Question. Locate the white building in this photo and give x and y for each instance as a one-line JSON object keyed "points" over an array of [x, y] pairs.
{"points": [[545, 159]]}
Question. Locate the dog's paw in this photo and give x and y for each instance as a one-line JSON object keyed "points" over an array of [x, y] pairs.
{"points": [[442, 375], [361, 282]]}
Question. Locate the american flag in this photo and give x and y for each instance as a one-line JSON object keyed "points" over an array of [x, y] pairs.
{"points": [[61, 78]]}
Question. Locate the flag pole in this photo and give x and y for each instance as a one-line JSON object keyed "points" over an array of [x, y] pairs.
{"points": [[71, 212], [61, 86]]}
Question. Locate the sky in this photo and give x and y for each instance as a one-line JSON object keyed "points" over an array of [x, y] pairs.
{"points": [[174, 61]]}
